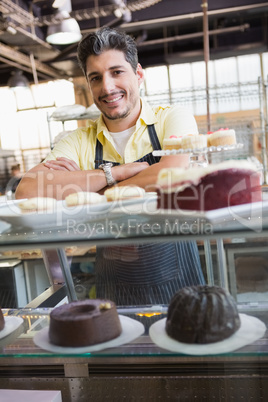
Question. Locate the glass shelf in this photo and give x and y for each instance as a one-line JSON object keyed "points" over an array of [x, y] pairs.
{"points": [[20, 344], [206, 150]]}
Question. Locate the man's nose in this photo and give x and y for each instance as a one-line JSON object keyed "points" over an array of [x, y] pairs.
{"points": [[108, 83]]}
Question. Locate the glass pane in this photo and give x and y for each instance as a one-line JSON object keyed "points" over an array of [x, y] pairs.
{"points": [[180, 76], [265, 65], [226, 71], [249, 67], [153, 83]]}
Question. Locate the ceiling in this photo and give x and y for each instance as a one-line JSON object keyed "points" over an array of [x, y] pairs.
{"points": [[166, 32]]}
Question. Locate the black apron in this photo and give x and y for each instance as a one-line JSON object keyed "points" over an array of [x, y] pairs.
{"points": [[145, 273]]}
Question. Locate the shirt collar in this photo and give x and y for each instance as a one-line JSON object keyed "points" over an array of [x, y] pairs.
{"points": [[147, 114]]}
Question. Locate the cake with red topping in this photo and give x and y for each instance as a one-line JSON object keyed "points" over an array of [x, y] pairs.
{"points": [[173, 142], [222, 137], [221, 185], [189, 141], [194, 141], [202, 314], [84, 323]]}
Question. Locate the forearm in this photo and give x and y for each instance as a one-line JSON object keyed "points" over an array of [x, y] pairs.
{"points": [[43, 182], [62, 177], [147, 179]]}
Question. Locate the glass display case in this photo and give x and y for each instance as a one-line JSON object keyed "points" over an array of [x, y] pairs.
{"points": [[232, 247]]}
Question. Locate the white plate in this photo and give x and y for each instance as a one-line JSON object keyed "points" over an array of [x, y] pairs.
{"points": [[59, 217], [252, 215], [11, 324], [131, 329], [250, 331], [63, 215]]}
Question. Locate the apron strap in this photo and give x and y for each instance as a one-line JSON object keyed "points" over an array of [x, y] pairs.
{"points": [[98, 154], [153, 137]]}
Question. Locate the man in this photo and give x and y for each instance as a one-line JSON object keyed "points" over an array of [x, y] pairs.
{"points": [[125, 136]]}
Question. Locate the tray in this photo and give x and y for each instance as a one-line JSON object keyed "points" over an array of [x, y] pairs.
{"points": [[11, 213], [205, 150]]}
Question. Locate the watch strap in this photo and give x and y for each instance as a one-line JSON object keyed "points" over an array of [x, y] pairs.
{"points": [[107, 168]]}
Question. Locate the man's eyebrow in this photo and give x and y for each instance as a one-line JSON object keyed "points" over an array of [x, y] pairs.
{"points": [[110, 69]]}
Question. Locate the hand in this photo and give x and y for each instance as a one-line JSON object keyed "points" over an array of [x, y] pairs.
{"points": [[62, 163], [123, 172]]}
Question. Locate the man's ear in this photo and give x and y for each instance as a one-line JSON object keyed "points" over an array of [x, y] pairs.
{"points": [[140, 74]]}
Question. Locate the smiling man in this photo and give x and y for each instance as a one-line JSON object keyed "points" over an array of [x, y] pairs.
{"points": [[117, 148], [126, 133]]}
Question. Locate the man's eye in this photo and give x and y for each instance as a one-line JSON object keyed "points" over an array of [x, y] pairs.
{"points": [[94, 79], [117, 72]]}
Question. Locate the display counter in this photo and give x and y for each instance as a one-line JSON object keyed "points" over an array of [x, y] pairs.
{"points": [[140, 369]]}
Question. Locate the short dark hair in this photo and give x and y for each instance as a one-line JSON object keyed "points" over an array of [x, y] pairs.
{"points": [[107, 39]]}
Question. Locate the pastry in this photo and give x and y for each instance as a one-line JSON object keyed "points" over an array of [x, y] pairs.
{"points": [[205, 188], [194, 141], [202, 314], [172, 142], [117, 193], [224, 136], [82, 198], [38, 204], [84, 323]]}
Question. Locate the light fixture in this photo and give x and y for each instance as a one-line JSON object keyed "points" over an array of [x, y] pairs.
{"points": [[67, 30], [18, 80]]}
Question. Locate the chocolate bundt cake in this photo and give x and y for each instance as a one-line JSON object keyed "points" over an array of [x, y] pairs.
{"points": [[84, 323], [2, 320], [202, 314]]}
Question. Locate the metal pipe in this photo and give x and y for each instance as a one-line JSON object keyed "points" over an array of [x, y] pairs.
{"points": [[206, 55], [194, 35], [161, 21]]}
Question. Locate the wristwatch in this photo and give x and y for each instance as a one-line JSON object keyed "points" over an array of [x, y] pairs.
{"points": [[106, 167]]}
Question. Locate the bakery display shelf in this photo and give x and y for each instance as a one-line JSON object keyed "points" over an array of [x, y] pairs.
{"points": [[139, 223], [206, 150], [21, 344]]}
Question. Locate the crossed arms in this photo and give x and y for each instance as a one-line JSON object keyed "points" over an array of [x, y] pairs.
{"points": [[58, 178]]}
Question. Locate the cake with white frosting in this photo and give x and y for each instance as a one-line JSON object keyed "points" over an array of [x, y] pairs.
{"points": [[194, 141], [172, 142], [222, 137]]}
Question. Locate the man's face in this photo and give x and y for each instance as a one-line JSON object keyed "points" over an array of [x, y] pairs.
{"points": [[114, 85]]}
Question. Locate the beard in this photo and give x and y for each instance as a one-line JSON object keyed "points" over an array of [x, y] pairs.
{"points": [[121, 114], [118, 116]]}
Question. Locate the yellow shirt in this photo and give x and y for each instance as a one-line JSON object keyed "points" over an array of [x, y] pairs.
{"points": [[80, 145]]}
